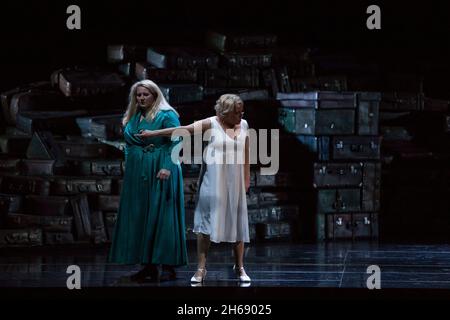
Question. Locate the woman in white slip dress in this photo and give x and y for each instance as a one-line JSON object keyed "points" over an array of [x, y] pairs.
{"points": [[221, 211]]}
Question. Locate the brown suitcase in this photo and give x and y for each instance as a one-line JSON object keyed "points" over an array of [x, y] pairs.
{"points": [[73, 185], [97, 167], [47, 223], [25, 185], [13, 144], [108, 203], [222, 42], [48, 205], [337, 174], [6, 96], [37, 100], [58, 238], [147, 71], [20, 237], [9, 164], [82, 83], [35, 167]]}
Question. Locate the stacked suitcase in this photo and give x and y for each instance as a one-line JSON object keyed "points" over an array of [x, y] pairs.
{"points": [[338, 160], [57, 179]]}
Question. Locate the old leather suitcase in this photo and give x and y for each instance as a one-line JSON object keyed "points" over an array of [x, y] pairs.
{"points": [[247, 58], [275, 197], [230, 77], [25, 185], [57, 122], [44, 146], [58, 238], [108, 128], [61, 185], [123, 52], [83, 149], [38, 100], [20, 237], [368, 110], [108, 202], [309, 121], [222, 42], [76, 83], [371, 195], [320, 99], [81, 217], [182, 93], [339, 200], [181, 58], [281, 179], [85, 123], [48, 205], [273, 230], [352, 226], [36, 167], [112, 167], [9, 164], [147, 71], [6, 96], [273, 214], [356, 147], [14, 144], [47, 223], [341, 147], [337, 174], [11, 202]]}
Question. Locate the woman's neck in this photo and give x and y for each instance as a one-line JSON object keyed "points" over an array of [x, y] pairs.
{"points": [[225, 124]]}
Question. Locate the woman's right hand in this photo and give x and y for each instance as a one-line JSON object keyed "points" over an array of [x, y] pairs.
{"points": [[145, 134]]}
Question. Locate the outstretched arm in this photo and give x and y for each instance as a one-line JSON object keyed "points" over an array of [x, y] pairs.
{"points": [[197, 127]]}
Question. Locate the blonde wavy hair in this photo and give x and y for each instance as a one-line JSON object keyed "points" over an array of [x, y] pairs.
{"points": [[159, 104], [227, 103]]}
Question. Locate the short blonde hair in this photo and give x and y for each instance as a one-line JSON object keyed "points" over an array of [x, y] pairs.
{"points": [[227, 103]]}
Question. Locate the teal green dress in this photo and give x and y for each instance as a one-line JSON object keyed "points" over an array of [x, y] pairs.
{"points": [[150, 225]]}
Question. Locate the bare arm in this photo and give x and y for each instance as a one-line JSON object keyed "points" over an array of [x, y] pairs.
{"points": [[247, 164], [199, 126]]}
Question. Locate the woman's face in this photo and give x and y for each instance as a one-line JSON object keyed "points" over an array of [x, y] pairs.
{"points": [[144, 98], [234, 117]]}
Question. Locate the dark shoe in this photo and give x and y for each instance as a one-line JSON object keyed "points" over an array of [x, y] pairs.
{"points": [[147, 273], [168, 272]]}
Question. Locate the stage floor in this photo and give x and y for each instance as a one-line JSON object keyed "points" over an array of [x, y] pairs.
{"points": [[332, 265]]}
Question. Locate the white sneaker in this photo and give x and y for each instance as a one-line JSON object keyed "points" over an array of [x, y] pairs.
{"points": [[242, 275], [199, 276]]}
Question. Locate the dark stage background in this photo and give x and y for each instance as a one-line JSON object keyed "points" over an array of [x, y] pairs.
{"points": [[414, 39]]}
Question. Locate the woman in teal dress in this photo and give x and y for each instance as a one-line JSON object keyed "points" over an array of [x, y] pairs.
{"points": [[150, 228]]}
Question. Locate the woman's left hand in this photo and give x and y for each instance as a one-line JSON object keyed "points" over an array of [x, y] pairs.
{"points": [[145, 134], [163, 174]]}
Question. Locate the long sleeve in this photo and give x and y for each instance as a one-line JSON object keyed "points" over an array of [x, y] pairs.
{"points": [[170, 121]]}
